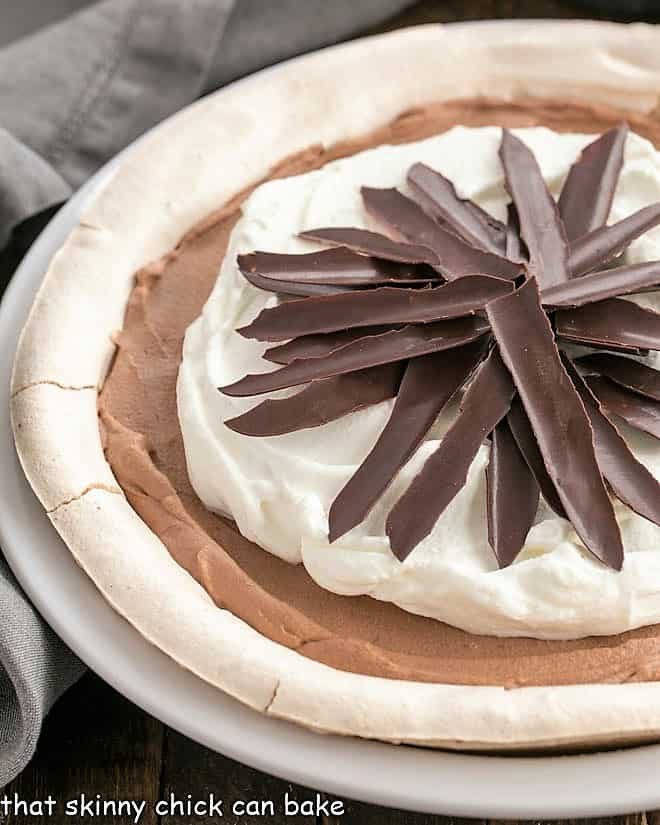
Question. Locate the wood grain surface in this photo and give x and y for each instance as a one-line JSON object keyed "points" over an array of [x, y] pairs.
{"points": [[97, 743]]}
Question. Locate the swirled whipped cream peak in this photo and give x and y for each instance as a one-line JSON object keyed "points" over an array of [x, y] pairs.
{"points": [[428, 373]]}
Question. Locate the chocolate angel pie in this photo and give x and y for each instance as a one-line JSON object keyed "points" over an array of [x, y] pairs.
{"points": [[379, 434]]}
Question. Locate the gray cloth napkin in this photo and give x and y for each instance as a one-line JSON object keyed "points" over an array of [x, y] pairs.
{"points": [[71, 96]]}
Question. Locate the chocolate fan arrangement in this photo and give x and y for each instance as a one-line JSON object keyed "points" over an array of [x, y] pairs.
{"points": [[450, 303]]}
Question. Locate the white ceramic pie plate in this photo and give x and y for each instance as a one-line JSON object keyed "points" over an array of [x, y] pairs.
{"points": [[424, 780]]}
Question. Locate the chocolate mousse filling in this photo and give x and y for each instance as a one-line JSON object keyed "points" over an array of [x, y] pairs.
{"points": [[143, 444]]}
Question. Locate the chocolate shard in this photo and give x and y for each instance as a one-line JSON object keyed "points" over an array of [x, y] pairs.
{"points": [[437, 195], [588, 191], [371, 351], [314, 346], [558, 418], [512, 496], [598, 286], [327, 267], [320, 402], [385, 305], [605, 243], [626, 372], [292, 288], [428, 384], [528, 446], [637, 411], [611, 324], [540, 225], [515, 249], [363, 242], [485, 403], [631, 482], [408, 220]]}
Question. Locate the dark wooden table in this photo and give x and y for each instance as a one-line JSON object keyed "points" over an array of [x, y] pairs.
{"points": [[95, 742]]}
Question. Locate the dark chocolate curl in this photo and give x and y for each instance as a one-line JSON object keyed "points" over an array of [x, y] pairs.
{"points": [[637, 411], [603, 244], [586, 196], [327, 267], [540, 225], [512, 496], [428, 384], [528, 446], [485, 403], [626, 372], [611, 324], [598, 286], [628, 478], [456, 257], [292, 287], [313, 346], [558, 418], [397, 345], [363, 242], [437, 195], [320, 402], [386, 305]]}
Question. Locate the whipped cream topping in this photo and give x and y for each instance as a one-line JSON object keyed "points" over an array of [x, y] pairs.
{"points": [[279, 489]]}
